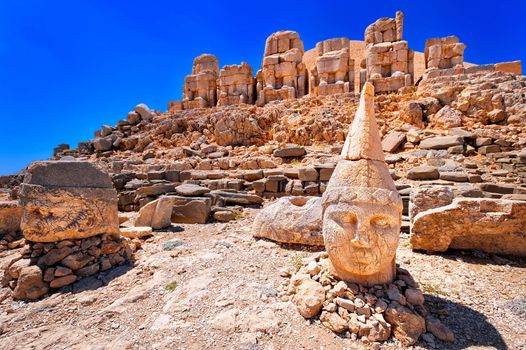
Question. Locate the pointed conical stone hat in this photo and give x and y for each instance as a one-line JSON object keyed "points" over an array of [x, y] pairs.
{"points": [[362, 175]]}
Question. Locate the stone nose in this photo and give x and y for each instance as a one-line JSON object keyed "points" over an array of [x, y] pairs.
{"points": [[361, 238]]}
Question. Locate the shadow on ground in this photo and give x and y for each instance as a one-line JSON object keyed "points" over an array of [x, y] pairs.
{"points": [[470, 327], [96, 281]]}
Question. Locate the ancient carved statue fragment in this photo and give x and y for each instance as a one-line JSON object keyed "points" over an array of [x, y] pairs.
{"points": [[362, 210]]}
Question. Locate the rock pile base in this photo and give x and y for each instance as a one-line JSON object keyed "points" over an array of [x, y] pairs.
{"points": [[371, 314], [10, 240], [44, 267]]}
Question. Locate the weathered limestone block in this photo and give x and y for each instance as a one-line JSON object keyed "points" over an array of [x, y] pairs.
{"points": [[428, 197], [490, 225], [156, 214], [67, 200], [30, 284], [444, 53], [236, 85], [388, 59], [333, 72], [407, 326], [283, 73], [362, 210], [190, 210], [291, 220], [200, 87], [10, 216]]}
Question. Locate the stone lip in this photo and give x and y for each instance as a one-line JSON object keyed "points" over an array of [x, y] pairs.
{"points": [[67, 174]]}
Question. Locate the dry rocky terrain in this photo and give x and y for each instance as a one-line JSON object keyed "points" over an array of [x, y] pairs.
{"points": [[215, 286], [144, 237]]}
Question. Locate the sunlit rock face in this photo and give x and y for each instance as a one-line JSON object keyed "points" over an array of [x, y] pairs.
{"points": [[362, 210]]}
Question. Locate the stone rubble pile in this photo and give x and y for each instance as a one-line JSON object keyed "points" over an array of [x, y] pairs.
{"points": [[70, 225], [10, 218], [371, 314], [45, 267]]}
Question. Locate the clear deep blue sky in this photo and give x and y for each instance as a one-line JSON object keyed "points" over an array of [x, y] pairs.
{"points": [[67, 67]]}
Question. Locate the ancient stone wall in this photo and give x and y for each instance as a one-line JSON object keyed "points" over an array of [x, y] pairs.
{"points": [[333, 72], [443, 53], [236, 85], [388, 59], [200, 87], [283, 74]]}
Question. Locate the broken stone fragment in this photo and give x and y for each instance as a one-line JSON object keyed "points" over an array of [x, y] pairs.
{"points": [[309, 298], [10, 216], [291, 220], [67, 200], [490, 225], [30, 284], [407, 326]]}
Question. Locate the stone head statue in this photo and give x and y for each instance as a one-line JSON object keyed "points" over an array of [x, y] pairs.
{"points": [[362, 210]]}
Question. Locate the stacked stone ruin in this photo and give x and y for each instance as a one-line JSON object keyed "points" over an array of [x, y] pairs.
{"points": [[388, 59], [236, 85], [333, 72], [200, 87], [388, 64], [283, 74], [70, 224]]}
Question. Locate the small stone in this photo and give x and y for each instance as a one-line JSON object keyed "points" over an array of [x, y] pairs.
{"points": [[407, 326], [309, 298], [439, 330], [331, 307], [358, 302], [49, 274], [334, 322], [30, 284], [380, 306], [62, 281], [224, 215], [345, 303], [62, 271], [313, 268], [76, 261], [340, 288], [414, 296], [366, 311]]}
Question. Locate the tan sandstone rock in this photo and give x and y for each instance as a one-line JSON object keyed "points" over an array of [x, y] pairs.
{"points": [[388, 59], [236, 85], [200, 87], [10, 216], [362, 210], [156, 214], [67, 200], [291, 220], [30, 284], [407, 326], [333, 72], [309, 298], [490, 225], [283, 73]]}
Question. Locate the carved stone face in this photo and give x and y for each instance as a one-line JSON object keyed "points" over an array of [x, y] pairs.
{"points": [[361, 238]]}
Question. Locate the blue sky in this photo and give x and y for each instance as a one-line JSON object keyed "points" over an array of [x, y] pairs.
{"points": [[67, 67]]}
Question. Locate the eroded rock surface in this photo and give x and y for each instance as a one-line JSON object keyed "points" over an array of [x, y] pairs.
{"points": [[67, 200]]}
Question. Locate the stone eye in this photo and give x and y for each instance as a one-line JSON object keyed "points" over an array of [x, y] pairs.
{"points": [[348, 219], [380, 222]]}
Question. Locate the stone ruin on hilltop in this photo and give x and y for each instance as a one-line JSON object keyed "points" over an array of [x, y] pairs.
{"points": [[438, 159]]}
